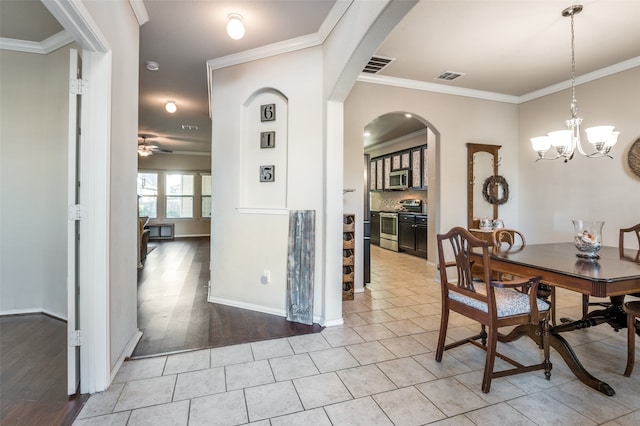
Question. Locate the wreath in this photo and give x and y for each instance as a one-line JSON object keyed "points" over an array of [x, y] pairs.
{"points": [[490, 190]]}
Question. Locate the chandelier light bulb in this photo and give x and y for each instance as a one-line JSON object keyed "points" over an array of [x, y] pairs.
{"points": [[171, 107], [235, 26]]}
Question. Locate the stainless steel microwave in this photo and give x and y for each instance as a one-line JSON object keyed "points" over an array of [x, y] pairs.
{"points": [[398, 180]]}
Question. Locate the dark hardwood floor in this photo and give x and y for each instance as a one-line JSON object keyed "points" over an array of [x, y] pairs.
{"points": [[173, 312], [33, 372]]}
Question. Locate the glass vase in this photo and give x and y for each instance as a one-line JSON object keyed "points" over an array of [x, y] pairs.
{"points": [[588, 238]]}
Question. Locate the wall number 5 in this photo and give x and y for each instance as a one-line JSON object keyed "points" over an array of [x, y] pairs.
{"points": [[268, 112], [267, 173]]}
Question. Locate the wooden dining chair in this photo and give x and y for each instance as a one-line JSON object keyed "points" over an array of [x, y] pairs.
{"points": [[632, 230], [507, 241], [632, 309], [494, 304]]}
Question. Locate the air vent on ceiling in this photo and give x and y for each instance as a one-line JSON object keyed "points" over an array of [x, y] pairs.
{"points": [[376, 64], [449, 75]]}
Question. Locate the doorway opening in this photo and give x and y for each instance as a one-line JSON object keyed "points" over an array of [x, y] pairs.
{"points": [[400, 199]]}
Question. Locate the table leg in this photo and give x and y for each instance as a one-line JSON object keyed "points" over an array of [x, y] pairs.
{"points": [[564, 349]]}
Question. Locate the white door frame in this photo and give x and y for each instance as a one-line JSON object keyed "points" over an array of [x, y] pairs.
{"points": [[94, 174]]}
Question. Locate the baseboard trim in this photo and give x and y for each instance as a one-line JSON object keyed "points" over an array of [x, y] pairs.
{"points": [[333, 323], [126, 353], [249, 306], [32, 311]]}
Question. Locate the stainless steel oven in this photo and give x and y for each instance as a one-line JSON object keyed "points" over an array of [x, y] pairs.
{"points": [[389, 230]]}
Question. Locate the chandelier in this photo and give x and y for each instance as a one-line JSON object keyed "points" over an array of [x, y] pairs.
{"points": [[565, 142]]}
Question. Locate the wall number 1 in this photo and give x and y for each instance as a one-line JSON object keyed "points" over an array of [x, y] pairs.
{"points": [[268, 112], [267, 139]]}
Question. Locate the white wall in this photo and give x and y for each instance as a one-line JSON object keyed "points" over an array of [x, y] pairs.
{"points": [[553, 192], [119, 26], [34, 115], [245, 244]]}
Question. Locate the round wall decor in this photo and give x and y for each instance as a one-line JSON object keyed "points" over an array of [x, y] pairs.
{"points": [[496, 190], [634, 157]]}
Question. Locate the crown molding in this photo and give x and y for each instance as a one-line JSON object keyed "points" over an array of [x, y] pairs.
{"points": [[438, 88], [370, 148], [595, 75], [43, 47], [491, 96], [140, 11]]}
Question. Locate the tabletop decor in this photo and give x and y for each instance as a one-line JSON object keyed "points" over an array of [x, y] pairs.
{"points": [[587, 238]]}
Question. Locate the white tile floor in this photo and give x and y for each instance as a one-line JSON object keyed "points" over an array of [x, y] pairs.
{"points": [[376, 369]]}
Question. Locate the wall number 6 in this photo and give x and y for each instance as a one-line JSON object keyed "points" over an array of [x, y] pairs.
{"points": [[268, 112]]}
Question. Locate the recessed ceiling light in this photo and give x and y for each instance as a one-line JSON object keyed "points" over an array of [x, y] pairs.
{"points": [[152, 65]]}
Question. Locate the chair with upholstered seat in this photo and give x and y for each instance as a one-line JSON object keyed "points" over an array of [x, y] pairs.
{"points": [[632, 309], [507, 241], [632, 230], [494, 304]]}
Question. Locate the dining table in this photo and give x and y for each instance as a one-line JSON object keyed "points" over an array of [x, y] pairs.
{"points": [[614, 274]]}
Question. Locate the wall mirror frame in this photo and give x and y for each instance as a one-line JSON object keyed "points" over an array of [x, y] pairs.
{"points": [[482, 162]]}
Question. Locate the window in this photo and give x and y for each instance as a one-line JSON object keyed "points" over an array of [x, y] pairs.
{"points": [[179, 196], [148, 195], [206, 195]]}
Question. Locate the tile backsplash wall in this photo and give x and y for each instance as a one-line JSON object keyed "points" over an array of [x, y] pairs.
{"points": [[389, 200]]}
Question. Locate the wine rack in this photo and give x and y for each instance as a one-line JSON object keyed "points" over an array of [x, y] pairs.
{"points": [[348, 260]]}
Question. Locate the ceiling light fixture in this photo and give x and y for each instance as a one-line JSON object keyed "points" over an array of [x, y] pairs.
{"points": [[603, 138], [171, 107], [235, 26], [144, 151]]}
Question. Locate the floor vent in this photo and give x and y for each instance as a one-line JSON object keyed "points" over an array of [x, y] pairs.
{"points": [[376, 64], [449, 75]]}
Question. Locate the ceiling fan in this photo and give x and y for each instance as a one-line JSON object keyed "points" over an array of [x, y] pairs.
{"points": [[146, 149]]}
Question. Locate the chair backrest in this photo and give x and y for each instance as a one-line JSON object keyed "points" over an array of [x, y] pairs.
{"points": [[507, 240], [634, 229], [462, 243]]}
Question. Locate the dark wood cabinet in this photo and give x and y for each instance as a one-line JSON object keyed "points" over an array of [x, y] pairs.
{"points": [[412, 234], [406, 232], [421, 236], [375, 228]]}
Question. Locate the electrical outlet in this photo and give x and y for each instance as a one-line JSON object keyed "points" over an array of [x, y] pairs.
{"points": [[266, 277]]}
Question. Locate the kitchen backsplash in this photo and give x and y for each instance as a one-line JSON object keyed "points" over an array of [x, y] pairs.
{"points": [[390, 200]]}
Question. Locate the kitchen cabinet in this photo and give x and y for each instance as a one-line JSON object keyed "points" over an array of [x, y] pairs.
{"points": [[379, 174], [348, 256], [412, 234], [414, 160], [375, 228], [421, 236], [396, 163], [387, 171], [419, 167]]}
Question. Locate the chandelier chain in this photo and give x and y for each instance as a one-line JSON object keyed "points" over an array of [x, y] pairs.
{"points": [[574, 102]]}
